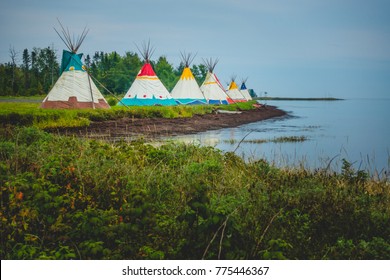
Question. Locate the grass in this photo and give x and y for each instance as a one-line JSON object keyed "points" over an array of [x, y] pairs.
{"points": [[283, 139], [29, 114], [69, 198], [34, 98]]}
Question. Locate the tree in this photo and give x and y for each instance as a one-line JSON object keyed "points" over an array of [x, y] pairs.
{"points": [[87, 61], [26, 68], [179, 69], [13, 55], [34, 69], [199, 72], [3, 79], [252, 93], [48, 67], [164, 71], [127, 70]]}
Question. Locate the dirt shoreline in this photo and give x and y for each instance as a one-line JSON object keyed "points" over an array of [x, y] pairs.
{"points": [[151, 128]]}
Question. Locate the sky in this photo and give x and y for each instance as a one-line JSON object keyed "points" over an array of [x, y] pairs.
{"points": [[287, 48]]}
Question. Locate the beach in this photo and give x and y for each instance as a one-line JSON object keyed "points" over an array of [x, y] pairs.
{"points": [[151, 128]]}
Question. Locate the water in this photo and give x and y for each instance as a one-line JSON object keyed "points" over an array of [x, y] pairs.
{"points": [[357, 130]]}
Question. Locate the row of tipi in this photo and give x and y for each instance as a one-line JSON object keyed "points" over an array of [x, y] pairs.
{"points": [[75, 88]]}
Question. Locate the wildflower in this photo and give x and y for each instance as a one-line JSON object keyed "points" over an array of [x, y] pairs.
{"points": [[19, 196]]}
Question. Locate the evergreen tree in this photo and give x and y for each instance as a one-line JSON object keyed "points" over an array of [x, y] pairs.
{"points": [[13, 55], [26, 69], [164, 70], [87, 61]]}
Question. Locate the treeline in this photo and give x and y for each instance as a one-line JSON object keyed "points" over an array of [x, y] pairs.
{"points": [[36, 74], [39, 70]]}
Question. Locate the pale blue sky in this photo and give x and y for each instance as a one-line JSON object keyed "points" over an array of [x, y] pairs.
{"points": [[310, 48]]}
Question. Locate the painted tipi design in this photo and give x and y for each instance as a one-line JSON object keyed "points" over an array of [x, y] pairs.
{"points": [[211, 87], [147, 89], [234, 93], [74, 88], [186, 90], [244, 91]]}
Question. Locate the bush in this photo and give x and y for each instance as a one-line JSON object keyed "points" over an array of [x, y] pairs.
{"points": [[66, 198], [112, 101]]}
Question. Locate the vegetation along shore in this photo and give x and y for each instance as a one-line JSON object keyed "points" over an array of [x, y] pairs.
{"points": [[72, 198], [300, 98]]}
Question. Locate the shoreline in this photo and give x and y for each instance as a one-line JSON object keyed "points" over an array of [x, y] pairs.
{"points": [[152, 128], [299, 99]]}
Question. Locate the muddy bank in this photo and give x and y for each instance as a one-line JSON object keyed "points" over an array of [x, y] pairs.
{"points": [[150, 128]]}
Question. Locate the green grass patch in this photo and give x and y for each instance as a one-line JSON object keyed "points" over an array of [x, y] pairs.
{"points": [[30, 114], [239, 106], [33, 98], [282, 139]]}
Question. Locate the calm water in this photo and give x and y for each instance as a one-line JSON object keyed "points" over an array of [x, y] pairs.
{"points": [[356, 129]]}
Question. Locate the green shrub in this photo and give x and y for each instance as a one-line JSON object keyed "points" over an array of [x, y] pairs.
{"points": [[65, 198]]}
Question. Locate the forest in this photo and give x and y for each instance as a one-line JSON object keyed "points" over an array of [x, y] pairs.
{"points": [[39, 70]]}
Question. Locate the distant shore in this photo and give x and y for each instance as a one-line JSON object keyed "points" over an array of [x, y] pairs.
{"points": [[132, 128], [300, 98]]}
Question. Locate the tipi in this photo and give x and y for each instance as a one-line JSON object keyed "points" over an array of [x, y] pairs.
{"points": [[74, 88], [186, 90], [234, 93], [212, 89], [147, 89], [244, 91]]}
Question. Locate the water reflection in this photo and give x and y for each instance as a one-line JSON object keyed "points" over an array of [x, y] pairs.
{"points": [[333, 131]]}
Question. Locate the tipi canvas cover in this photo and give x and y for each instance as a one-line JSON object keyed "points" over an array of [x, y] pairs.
{"points": [[147, 89], [244, 91], [74, 89], [234, 93], [211, 87], [186, 90]]}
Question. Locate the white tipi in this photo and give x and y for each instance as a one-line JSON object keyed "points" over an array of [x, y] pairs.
{"points": [[234, 93], [186, 90], [74, 89], [212, 89], [244, 91], [147, 89]]}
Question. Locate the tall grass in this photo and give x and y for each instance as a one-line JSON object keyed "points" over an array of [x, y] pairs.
{"points": [[282, 139], [67, 198]]}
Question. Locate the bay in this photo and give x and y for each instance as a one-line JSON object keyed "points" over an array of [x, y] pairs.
{"points": [[356, 130]]}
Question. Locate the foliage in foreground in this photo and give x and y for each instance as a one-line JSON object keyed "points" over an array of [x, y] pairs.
{"points": [[67, 198]]}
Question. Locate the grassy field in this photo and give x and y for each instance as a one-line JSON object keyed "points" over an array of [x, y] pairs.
{"points": [[29, 114], [31, 99]]}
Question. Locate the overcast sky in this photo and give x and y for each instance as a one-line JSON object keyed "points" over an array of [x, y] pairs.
{"points": [[302, 48]]}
